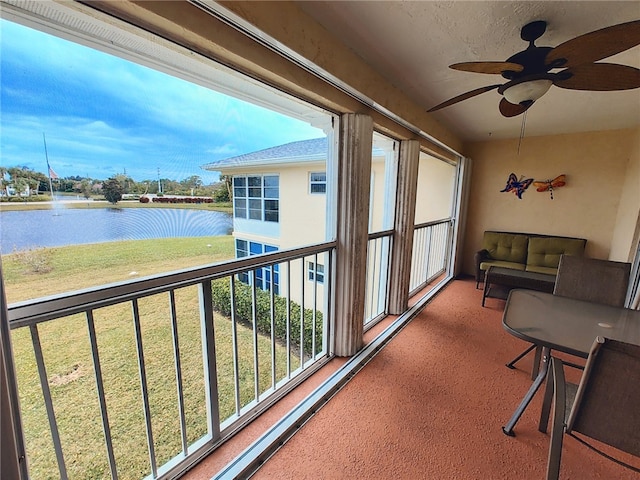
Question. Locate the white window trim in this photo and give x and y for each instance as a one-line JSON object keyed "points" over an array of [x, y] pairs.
{"points": [[316, 182], [313, 273], [262, 197]]}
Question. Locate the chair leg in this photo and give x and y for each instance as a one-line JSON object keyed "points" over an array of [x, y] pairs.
{"points": [[536, 362], [546, 405], [508, 428], [557, 429]]}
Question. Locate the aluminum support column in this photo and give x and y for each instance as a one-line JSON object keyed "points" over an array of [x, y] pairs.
{"points": [[354, 180], [400, 267]]}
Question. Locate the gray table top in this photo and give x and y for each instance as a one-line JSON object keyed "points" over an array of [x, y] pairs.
{"points": [[566, 324]]}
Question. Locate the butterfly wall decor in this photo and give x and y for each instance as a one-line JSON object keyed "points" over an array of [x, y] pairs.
{"points": [[543, 186], [517, 186]]}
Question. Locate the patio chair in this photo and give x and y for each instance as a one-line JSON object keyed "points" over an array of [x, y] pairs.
{"points": [[589, 279], [603, 407], [592, 280]]}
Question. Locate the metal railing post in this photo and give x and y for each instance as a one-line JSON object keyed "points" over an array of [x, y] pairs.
{"points": [[209, 359]]}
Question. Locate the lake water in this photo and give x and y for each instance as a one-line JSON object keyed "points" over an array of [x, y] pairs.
{"points": [[22, 230]]}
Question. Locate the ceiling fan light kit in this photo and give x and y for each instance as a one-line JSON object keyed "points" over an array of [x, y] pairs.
{"points": [[527, 92], [529, 72]]}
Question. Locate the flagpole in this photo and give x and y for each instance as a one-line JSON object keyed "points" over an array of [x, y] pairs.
{"points": [[46, 155]]}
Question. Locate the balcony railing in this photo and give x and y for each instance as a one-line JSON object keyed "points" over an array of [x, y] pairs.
{"points": [[431, 252], [378, 252], [159, 371], [430, 258], [179, 361]]}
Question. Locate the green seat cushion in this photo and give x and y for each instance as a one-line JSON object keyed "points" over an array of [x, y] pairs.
{"points": [[546, 251], [501, 263], [507, 247]]}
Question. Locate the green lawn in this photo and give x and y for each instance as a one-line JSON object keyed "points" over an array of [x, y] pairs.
{"points": [[70, 367]]}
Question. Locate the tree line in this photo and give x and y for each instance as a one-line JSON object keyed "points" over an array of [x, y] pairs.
{"points": [[25, 181]]}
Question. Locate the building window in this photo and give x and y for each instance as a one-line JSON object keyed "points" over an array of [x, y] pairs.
{"points": [[256, 197], [315, 271], [318, 182], [262, 276]]}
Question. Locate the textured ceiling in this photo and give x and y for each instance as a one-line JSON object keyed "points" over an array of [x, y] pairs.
{"points": [[413, 43]]}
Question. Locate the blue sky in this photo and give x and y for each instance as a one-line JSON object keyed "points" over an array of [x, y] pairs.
{"points": [[103, 115]]}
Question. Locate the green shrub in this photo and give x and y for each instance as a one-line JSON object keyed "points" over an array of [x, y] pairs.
{"points": [[221, 293], [19, 199]]}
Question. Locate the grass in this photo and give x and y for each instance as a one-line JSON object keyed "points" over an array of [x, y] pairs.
{"points": [[70, 367], [88, 265]]}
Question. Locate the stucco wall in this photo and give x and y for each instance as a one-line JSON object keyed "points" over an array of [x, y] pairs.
{"points": [[436, 184], [302, 214], [600, 168], [377, 196], [623, 242]]}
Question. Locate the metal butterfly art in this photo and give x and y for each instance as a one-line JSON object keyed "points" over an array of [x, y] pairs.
{"points": [[559, 181], [517, 186]]}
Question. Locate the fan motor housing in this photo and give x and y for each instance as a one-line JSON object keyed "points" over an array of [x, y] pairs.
{"points": [[533, 61]]}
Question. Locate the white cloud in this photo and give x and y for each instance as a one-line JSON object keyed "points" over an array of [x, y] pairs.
{"points": [[102, 114], [225, 149]]}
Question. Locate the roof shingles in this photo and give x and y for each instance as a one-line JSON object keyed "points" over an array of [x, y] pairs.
{"points": [[304, 150]]}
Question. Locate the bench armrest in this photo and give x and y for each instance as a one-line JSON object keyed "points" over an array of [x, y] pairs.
{"points": [[479, 257]]}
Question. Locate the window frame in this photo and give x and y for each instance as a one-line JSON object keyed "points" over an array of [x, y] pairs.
{"points": [[315, 272], [255, 197], [262, 277], [316, 183]]}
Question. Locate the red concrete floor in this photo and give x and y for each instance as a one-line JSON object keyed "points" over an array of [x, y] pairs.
{"points": [[430, 405]]}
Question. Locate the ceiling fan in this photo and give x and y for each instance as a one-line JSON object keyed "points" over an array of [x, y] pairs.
{"points": [[530, 72]]}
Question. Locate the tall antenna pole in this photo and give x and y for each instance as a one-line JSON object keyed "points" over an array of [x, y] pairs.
{"points": [[46, 155]]}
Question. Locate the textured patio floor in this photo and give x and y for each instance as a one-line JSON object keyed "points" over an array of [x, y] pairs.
{"points": [[430, 405]]}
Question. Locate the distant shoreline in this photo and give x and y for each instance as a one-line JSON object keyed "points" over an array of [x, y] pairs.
{"points": [[224, 207]]}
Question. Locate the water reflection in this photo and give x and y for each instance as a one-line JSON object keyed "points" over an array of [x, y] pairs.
{"points": [[21, 230]]}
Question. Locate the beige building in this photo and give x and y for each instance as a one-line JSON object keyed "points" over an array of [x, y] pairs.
{"points": [[282, 199]]}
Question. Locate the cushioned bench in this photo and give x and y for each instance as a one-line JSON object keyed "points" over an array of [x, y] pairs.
{"points": [[525, 252]]}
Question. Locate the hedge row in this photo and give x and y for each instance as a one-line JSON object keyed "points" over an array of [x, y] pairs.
{"points": [[221, 292], [19, 199], [181, 200]]}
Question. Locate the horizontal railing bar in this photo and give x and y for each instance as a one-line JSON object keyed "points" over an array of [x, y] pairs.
{"points": [[380, 234], [55, 306], [431, 224]]}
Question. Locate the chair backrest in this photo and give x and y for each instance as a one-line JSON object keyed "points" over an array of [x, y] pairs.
{"points": [[592, 280], [607, 403]]}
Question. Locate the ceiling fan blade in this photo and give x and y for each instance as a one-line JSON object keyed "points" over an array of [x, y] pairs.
{"points": [[595, 46], [508, 109], [487, 67], [463, 96], [600, 76]]}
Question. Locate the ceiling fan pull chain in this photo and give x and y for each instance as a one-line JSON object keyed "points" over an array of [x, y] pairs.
{"points": [[524, 119]]}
